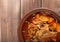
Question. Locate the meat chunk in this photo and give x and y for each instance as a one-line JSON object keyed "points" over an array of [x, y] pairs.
{"points": [[44, 35]]}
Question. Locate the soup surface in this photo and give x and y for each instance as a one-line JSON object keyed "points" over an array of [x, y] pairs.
{"points": [[40, 28]]}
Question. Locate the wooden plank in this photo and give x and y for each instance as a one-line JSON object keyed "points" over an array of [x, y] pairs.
{"points": [[49, 4], [9, 20], [13, 13], [0, 22], [14, 19], [53, 5], [4, 20]]}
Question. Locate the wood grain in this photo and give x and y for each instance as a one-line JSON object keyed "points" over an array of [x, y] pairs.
{"points": [[9, 20], [11, 11], [28, 5], [53, 5], [4, 20]]}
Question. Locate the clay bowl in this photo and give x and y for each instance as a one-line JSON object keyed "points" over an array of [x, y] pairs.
{"points": [[47, 11]]}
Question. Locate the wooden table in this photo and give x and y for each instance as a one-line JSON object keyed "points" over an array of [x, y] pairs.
{"points": [[13, 10]]}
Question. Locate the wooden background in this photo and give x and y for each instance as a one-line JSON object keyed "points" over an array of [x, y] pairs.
{"points": [[13, 10]]}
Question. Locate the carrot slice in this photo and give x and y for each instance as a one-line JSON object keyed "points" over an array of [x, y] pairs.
{"points": [[44, 18], [58, 27], [55, 25], [50, 20], [37, 16]]}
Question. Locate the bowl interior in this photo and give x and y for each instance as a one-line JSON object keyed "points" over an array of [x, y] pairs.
{"points": [[30, 15]]}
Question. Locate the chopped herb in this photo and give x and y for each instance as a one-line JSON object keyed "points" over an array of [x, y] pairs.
{"points": [[51, 18], [40, 18], [38, 23], [35, 40], [26, 40], [28, 31], [34, 29], [26, 21], [45, 22], [52, 28], [34, 37], [23, 31]]}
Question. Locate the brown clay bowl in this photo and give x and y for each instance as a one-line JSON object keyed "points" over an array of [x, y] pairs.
{"points": [[47, 11]]}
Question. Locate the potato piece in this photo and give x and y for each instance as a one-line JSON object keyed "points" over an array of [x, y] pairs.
{"points": [[39, 33], [58, 27], [37, 16], [50, 20], [54, 24], [44, 18]]}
